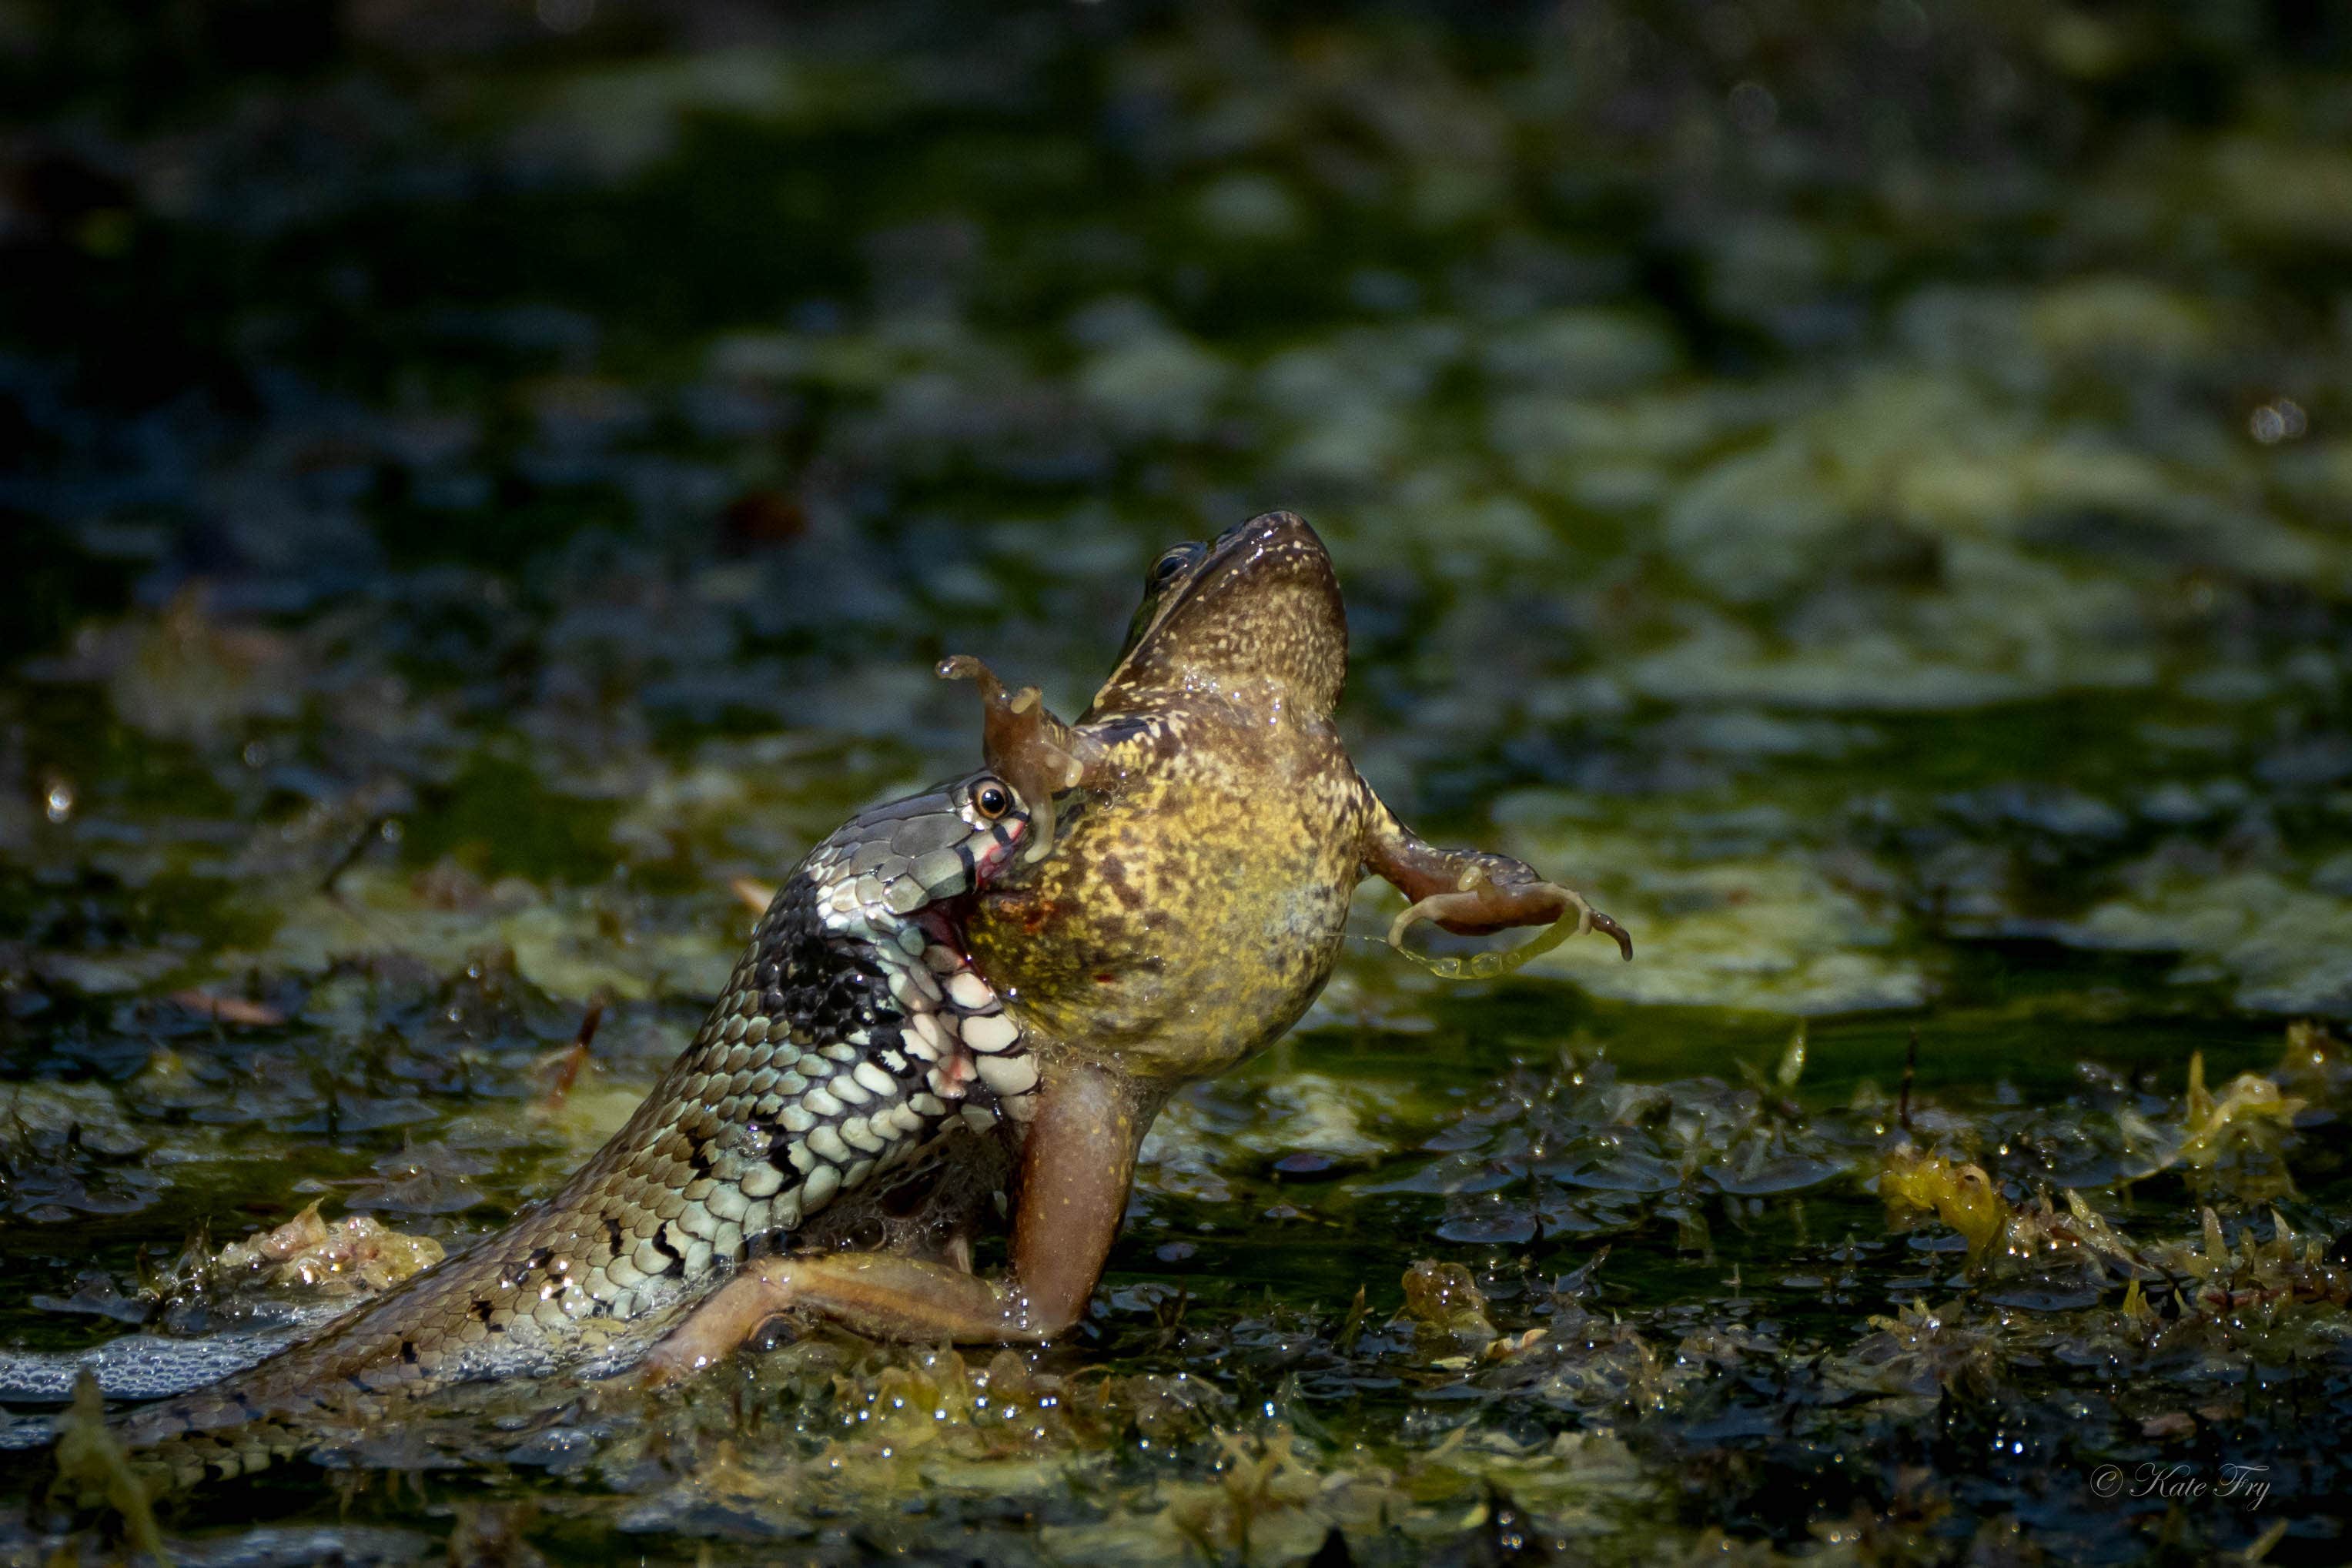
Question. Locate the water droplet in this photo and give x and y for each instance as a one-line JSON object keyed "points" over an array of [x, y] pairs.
{"points": [[2282, 419]]}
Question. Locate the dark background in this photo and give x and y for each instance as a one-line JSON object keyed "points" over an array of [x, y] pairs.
{"points": [[1862, 489]]}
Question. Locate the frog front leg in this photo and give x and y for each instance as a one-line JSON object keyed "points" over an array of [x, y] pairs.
{"points": [[1028, 747], [1077, 1161], [1471, 893]]}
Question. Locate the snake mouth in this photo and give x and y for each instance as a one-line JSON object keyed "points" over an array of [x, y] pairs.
{"points": [[998, 852], [990, 1069]]}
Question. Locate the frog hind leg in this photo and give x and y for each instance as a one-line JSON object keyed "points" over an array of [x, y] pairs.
{"points": [[1471, 893], [880, 1294], [1077, 1161]]}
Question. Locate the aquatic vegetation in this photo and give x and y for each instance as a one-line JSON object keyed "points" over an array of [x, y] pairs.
{"points": [[1868, 480], [91, 1458], [2238, 1137], [1962, 1197], [357, 1255]]}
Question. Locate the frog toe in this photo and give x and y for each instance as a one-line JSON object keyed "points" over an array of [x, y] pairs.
{"points": [[1487, 905], [1026, 744]]}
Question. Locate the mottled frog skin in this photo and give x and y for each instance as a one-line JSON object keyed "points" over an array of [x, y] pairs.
{"points": [[1186, 902]]}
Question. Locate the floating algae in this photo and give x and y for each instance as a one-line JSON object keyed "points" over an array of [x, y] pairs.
{"points": [[91, 1463], [1859, 489], [358, 1253]]}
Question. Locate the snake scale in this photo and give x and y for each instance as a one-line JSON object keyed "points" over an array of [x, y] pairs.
{"points": [[858, 1084]]}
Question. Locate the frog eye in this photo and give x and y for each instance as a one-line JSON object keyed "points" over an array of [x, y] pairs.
{"points": [[1173, 561], [992, 800]]}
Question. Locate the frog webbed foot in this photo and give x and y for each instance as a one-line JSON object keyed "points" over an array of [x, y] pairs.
{"points": [[879, 1294], [1027, 746], [1474, 894], [1483, 906]]}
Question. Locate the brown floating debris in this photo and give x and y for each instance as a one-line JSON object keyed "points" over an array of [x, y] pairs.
{"points": [[229, 1009], [574, 1057], [352, 852], [354, 1253]]}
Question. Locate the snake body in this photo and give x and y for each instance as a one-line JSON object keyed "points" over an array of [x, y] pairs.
{"points": [[845, 1091]]}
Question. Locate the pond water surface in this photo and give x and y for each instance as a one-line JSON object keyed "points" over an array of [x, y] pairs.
{"points": [[1865, 491]]}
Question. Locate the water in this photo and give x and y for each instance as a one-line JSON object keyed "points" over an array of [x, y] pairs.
{"points": [[1859, 490]]}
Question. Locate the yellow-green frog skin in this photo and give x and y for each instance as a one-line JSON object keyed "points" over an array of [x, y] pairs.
{"points": [[1193, 904], [1185, 912]]}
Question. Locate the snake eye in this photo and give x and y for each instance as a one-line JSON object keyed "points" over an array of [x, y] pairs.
{"points": [[993, 800]]}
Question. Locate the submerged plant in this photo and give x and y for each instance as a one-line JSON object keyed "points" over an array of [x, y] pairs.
{"points": [[1962, 1196], [92, 1466]]}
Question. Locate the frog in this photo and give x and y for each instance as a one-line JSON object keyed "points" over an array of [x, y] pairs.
{"points": [[1197, 838]]}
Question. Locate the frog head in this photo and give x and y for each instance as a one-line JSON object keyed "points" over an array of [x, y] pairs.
{"points": [[1257, 609]]}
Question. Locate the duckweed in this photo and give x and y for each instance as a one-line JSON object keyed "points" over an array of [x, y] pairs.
{"points": [[1860, 490]]}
